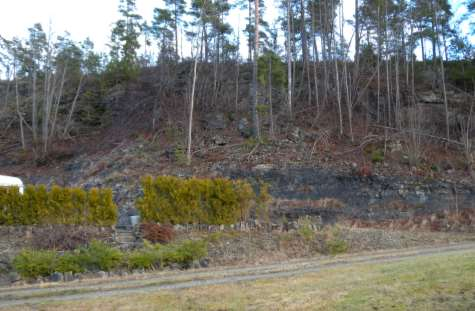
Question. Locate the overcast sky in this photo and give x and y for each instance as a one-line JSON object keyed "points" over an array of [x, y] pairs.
{"points": [[94, 18]]}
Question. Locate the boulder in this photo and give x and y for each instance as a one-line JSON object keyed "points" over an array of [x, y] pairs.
{"points": [[263, 168], [14, 277], [429, 97], [56, 277], [68, 276], [101, 274], [244, 128], [295, 135], [204, 262], [218, 140]]}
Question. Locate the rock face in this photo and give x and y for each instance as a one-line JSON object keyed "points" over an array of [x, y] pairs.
{"points": [[370, 198]]}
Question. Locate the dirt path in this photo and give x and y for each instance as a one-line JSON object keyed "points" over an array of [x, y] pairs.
{"points": [[151, 282]]}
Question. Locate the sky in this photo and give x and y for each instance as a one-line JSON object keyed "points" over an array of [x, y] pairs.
{"points": [[94, 18]]}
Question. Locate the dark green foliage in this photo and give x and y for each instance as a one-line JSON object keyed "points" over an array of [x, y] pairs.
{"points": [[183, 253], [377, 156], [143, 259], [272, 63], [57, 206], [336, 246], [32, 264], [97, 256], [69, 262], [100, 256], [174, 200]]}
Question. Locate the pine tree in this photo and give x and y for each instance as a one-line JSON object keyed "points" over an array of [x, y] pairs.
{"points": [[125, 42]]}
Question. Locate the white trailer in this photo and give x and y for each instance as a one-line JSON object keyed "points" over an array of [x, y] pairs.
{"points": [[8, 181]]}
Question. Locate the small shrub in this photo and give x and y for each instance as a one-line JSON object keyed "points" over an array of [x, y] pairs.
{"points": [[336, 246], [143, 259], [100, 256], [70, 262], [377, 156], [305, 230], [183, 253], [31, 264], [156, 233], [262, 203]]}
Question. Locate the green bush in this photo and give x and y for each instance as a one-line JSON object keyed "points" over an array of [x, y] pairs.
{"points": [[377, 156], [183, 253], [31, 264], [69, 262], [336, 246], [305, 230], [100, 256], [143, 259], [174, 200], [57, 206]]}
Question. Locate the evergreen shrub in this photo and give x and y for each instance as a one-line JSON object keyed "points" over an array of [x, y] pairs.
{"points": [[173, 200], [70, 206]]}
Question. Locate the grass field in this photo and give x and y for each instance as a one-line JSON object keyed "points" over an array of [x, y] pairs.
{"points": [[437, 282]]}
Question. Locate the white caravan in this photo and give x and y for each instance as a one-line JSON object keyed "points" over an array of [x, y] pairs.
{"points": [[8, 181]]}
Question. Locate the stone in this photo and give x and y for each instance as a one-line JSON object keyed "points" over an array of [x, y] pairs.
{"points": [[263, 167], [195, 264], [56, 277], [68, 276], [14, 277], [175, 266], [218, 140], [244, 128], [429, 97], [295, 135], [102, 274], [395, 146], [204, 262]]}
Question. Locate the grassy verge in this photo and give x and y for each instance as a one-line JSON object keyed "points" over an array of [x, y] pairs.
{"points": [[439, 282]]}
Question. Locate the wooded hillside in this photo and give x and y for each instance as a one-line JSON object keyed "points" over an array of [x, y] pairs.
{"points": [[407, 68]]}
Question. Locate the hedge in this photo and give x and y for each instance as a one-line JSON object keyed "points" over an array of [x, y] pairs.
{"points": [[97, 256], [73, 206], [173, 200]]}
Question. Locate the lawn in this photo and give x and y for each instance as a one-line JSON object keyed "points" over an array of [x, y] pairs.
{"points": [[437, 282]]}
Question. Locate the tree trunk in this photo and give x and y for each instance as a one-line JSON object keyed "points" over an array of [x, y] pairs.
{"points": [[73, 107], [442, 73], [192, 102], [337, 78], [255, 117], [20, 116], [289, 61], [357, 50], [271, 110]]}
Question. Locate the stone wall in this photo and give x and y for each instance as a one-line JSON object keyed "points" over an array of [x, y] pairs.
{"points": [[15, 238]]}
